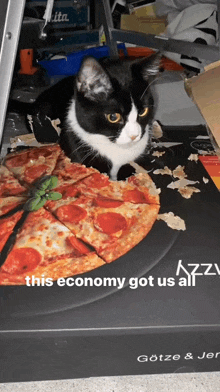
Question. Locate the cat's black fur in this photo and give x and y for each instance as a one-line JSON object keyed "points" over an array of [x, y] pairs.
{"points": [[86, 105]]}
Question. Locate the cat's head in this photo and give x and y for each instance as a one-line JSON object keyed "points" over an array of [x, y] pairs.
{"points": [[114, 98]]}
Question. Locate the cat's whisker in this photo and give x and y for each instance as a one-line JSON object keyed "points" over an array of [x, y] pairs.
{"points": [[153, 81], [76, 149], [89, 154], [81, 145]]}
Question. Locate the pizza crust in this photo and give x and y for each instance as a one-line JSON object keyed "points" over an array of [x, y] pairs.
{"points": [[64, 267]]}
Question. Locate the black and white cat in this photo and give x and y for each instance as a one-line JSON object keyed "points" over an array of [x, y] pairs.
{"points": [[106, 112]]}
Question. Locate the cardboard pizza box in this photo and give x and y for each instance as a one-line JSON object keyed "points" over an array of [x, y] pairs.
{"points": [[160, 311], [204, 91], [144, 20]]}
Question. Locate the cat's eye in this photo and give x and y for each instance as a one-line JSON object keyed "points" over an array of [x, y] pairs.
{"points": [[143, 112], [113, 117]]}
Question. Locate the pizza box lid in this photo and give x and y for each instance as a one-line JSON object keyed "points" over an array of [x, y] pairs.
{"points": [[83, 309], [204, 91]]}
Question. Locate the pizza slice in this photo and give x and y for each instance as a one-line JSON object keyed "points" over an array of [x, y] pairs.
{"points": [[111, 227], [10, 213], [137, 189], [9, 185], [6, 227], [70, 172], [144, 184], [9, 204], [33, 163], [45, 247], [127, 228]]}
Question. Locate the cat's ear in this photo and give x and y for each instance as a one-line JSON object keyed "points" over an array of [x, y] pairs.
{"points": [[150, 66], [92, 80]]}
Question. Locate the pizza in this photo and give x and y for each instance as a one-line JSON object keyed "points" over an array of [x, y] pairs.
{"points": [[29, 165], [9, 185], [66, 219], [69, 172]]}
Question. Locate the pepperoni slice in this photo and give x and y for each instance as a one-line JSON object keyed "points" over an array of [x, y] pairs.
{"points": [[134, 196], [133, 180], [105, 202], [68, 191], [110, 222], [71, 213], [24, 158], [96, 180], [34, 154], [35, 171], [79, 245], [21, 260]]}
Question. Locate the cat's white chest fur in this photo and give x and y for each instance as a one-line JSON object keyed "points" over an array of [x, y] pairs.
{"points": [[122, 151]]}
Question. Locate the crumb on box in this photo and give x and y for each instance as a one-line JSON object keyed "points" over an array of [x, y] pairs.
{"points": [[187, 191], [173, 221], [55, 124], [157, 132], [163, 171], [158, 153], [141, 171], [181, 183], [138, 168], [193, 157], [178, 172]]}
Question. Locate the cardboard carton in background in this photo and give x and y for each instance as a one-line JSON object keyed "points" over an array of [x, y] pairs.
{"points": [[204, 89], [144, 20]]}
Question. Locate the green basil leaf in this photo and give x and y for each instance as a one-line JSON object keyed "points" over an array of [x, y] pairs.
{"points": [[53, 182], [39, 193], [40, 203], [31, 203], [54, 196], [44, 183]]}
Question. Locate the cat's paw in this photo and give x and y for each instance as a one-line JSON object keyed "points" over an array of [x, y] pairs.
{"points": [[125, 171], [45, 130]]}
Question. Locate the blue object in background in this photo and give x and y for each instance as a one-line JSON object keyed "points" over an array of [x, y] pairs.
{"points": [[71, 64], [66, 13]]}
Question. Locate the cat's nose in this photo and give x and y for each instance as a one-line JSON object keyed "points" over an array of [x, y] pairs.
{"points": [[133, 137]]}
